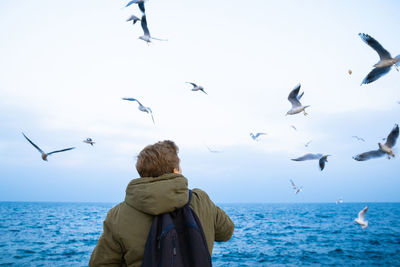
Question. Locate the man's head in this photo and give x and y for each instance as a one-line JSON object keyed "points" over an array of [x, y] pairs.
{"points": [[158, 159]]}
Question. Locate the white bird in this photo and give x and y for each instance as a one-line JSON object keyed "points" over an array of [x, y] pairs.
{"points": [[294, 99], [141, 107], [213, 151], [45, 155], [89, 141], [322, 159], [384, 149], [140, 4], [385, 63], [133, 18], [361, 218], [340, 200], [308, 143], [296, 188], [256, 136], [358, 138], [197, 87], [146, 33]]}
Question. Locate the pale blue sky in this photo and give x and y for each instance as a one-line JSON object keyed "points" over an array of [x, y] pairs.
{"points": [[65, 66]]}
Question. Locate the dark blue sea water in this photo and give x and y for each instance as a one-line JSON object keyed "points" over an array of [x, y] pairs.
{"points": [[64, 234]]}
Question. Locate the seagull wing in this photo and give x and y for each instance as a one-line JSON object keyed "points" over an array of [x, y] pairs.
{"points": [[258, 134], [141, 7], [308, 157], [361, 214], [144, 25], [33, 144], [151, 113], [374, 44], [62, 150], [369, 155], [392, 137], [375, 74], [159, 39], [293, 185], [322, 163], [194, 85], [131, 2], [293, 96], [132, 99]]}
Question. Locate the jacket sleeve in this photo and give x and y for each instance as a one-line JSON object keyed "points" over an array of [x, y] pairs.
{"points": [[108, 251], [223, 225]]}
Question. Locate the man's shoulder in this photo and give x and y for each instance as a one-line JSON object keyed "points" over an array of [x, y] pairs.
{"points": [[201, 201], [200, 194]]}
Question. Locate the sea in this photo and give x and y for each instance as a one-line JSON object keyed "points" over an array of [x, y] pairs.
{"points": [[324, 234]]}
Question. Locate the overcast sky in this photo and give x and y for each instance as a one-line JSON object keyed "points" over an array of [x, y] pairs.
{"points": [[66, 64]]}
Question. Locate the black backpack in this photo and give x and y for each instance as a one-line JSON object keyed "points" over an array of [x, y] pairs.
{"points": [[176, 239]]}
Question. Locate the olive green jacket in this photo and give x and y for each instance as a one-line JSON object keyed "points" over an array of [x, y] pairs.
{"points": [[128, 224]]}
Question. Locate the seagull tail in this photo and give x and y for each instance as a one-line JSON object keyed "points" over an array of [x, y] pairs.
{"points": [[397, 58]]}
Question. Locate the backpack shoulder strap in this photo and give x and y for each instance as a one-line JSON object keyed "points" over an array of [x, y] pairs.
{"points": [[190, 197]]}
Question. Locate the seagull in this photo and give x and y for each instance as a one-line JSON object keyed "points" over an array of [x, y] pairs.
{"points": [[213, 151], [133, 18], [141, 107], [361, 218], [256, 136], [384, 149], [89, 141], [385, 63], [293, 127], [295, 188], [322, 159], [197, 87], [340, 200], [358, 138], [140, 4], [146, 34], [308, 143], [45, 155], [294, 98]]}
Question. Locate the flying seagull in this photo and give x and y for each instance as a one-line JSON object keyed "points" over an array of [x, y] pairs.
{"points": [[133, 18], [295, 187], [322, 159], [293, 127], [384, 149], [89, 141], [340, 200], [294, 98], [146, 34], [358, 138], [197, 87], [213, 151], [140, 4], [385, 63], [256, 136], [44, 155], [361, 218], [308, 143], [141, 107]]}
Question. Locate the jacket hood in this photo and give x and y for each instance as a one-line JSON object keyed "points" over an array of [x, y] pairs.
{"points": [[157, 195]]}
